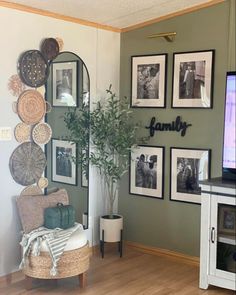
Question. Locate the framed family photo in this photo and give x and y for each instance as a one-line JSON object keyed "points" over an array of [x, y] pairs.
{"points": [[64, 84], [227, 220], [188, 167], [148, 81], [193, 79], [63, 168], [146, 171]]}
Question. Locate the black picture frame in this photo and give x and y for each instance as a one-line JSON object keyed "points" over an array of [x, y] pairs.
{"points": [[63, 168], [188, 166], [146, 175], [148, 80], [193, 78], [65, 84]]}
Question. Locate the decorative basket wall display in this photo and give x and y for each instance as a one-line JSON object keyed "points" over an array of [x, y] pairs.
{"points": [[28, 160], [42, 133], [50, 48], [33, 68], [31, 107], [27, 163], [22, 132]]}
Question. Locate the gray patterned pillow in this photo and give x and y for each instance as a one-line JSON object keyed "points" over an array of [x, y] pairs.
{"points": [[31, 208]]}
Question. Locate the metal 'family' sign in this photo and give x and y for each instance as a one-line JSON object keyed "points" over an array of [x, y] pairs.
{"points": [[178, 125]]}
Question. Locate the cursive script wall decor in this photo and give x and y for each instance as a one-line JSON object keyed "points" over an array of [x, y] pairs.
{"points": [[176, 125]]}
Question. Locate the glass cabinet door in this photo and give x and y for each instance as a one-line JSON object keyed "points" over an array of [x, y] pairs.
{"points": [[223, 237], [226, 241]]}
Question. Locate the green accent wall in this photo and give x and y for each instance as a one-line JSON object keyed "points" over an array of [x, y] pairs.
{"points": [[163, 223]]}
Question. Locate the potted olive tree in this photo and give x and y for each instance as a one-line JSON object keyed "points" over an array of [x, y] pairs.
{"points": [[113, 134]]}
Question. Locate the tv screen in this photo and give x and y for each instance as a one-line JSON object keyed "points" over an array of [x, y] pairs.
{"points": [[229, 146]]}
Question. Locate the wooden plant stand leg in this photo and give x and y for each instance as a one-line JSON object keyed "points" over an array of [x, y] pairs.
{"points": [[120, 243], [28, 283], [102, 244], [82, 279]]}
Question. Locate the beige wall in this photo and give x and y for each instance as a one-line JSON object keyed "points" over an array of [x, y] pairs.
{"points": [[164, 223], [100, 50]]}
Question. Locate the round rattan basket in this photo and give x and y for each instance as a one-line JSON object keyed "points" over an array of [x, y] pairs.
{"points": [[50, 48], [33, 68], [31, 107], [22, 132], [42, 133], [71, 263], [27, 163]]}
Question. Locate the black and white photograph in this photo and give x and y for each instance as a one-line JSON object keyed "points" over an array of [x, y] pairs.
{"points": [[188, 167], [63, 167], [148, 80], [227, 220], [187, 175], [146, 171], [192, 79], [64, 84]]}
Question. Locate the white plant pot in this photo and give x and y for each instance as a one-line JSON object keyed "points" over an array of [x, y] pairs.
{"points": [[112, 228]]}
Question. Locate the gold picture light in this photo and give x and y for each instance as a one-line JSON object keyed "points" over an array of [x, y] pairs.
{"points": [[168, 36]]}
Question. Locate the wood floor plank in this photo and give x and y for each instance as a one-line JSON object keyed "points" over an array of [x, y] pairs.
{"points": [[135, 273]]}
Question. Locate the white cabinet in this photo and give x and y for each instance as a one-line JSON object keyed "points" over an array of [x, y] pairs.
{"points": [[218, 234]]}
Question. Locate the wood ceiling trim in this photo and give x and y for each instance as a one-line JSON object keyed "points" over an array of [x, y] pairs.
{"points": [[171, 15], [57, 16], [105, 27]]}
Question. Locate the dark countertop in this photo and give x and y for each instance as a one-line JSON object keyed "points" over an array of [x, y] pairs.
{"points": [[218, 181]]}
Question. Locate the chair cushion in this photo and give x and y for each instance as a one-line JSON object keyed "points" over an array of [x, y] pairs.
{"points": [[31, 208], [77, 240]]}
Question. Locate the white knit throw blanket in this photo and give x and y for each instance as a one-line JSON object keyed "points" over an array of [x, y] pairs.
{"points": [[56, 240]]}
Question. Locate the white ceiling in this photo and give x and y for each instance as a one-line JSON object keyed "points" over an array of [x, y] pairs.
{"points": [[116, 13]]}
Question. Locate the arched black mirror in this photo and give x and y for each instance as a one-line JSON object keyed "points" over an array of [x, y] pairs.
{"points": [[67, 87]]}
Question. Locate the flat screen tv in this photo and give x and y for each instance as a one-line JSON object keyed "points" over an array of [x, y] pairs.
{"points": [[229, 145]]}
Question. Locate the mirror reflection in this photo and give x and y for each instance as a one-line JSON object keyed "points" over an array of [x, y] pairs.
{"points": [[68, 89]]}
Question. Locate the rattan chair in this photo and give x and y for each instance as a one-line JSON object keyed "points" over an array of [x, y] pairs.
{"points": [[73, 262]]}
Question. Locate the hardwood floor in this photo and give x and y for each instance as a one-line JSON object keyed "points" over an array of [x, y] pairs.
{"points": [[135, 273]]}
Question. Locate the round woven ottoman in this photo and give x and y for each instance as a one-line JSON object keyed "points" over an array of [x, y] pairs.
{"points": [[74, 261], [71, 263]]}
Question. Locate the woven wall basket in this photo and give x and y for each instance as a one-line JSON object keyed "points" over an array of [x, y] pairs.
{"points": [[42, 133], [27, 163], [71, 263], [22, 132], [33, 68], [50, 48], [31, 107]]}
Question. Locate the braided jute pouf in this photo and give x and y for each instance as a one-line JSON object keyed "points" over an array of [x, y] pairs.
{"points": [[71, 263]]}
